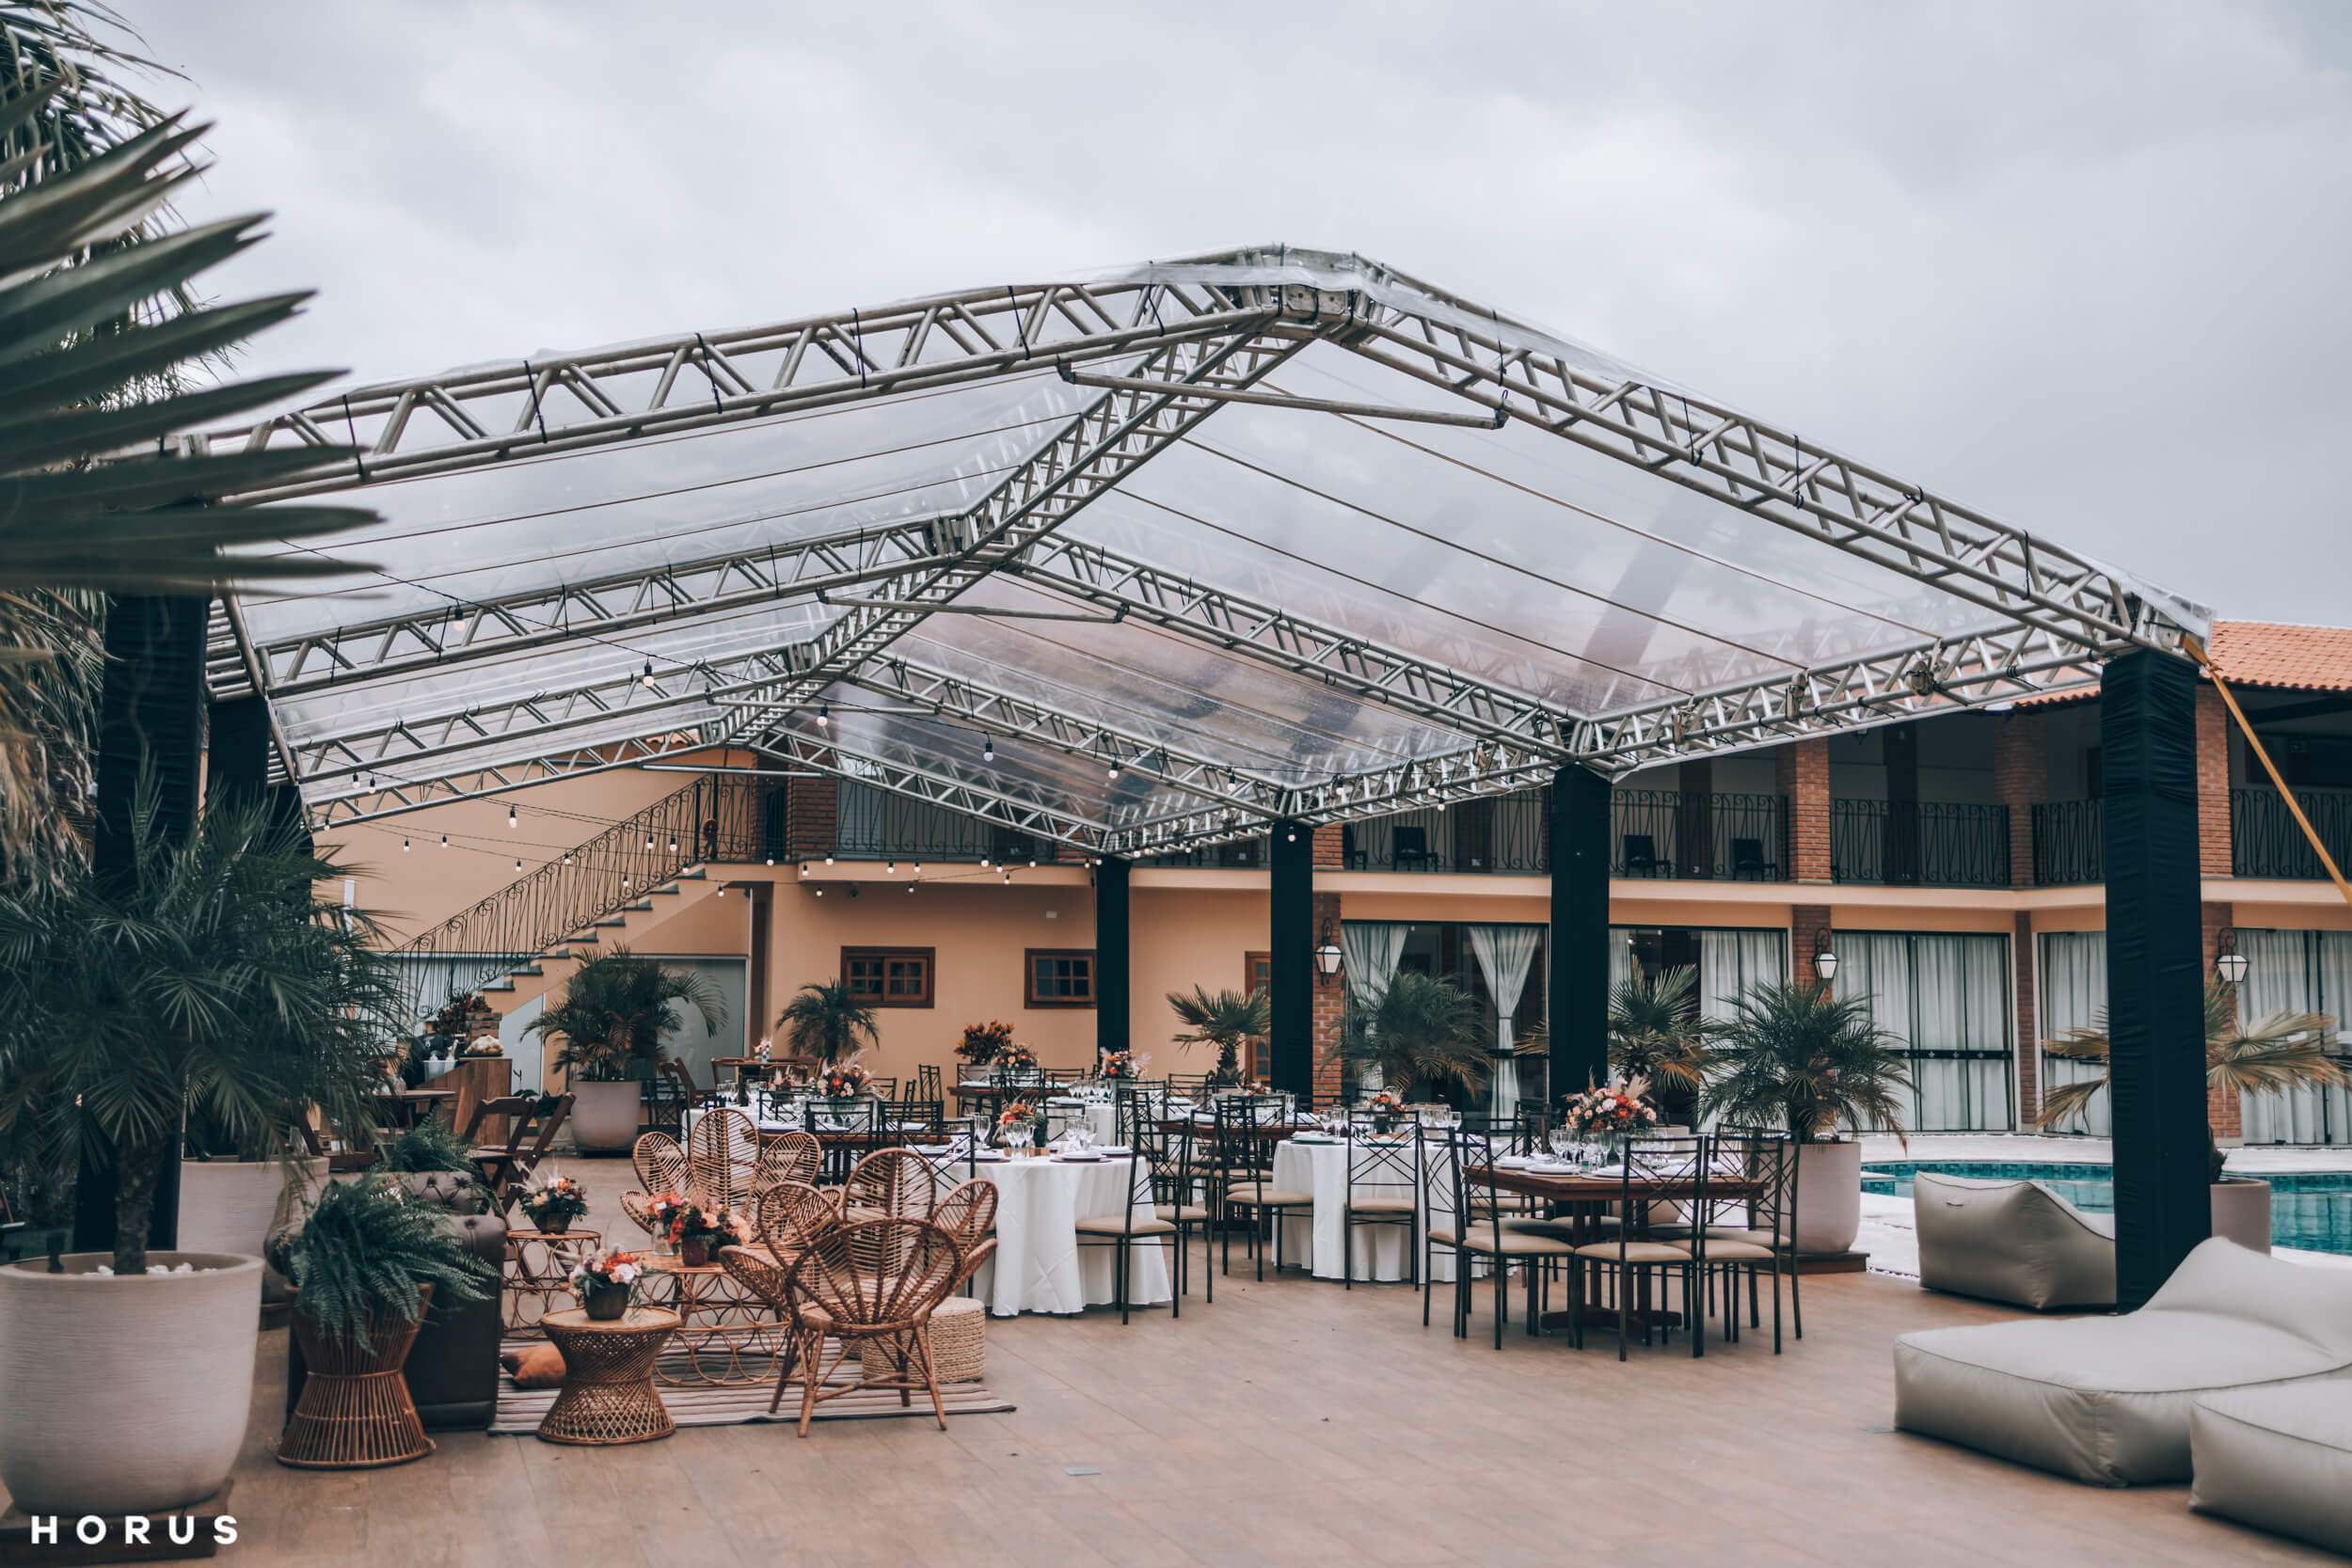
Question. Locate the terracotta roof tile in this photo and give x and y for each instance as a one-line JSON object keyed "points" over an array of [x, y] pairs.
{"points": [[2262, 653]]}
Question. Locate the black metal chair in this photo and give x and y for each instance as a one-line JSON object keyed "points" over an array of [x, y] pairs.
{"points": [[1641, 855], [1670, 1172], [1408, 842], [1384, 1186], [1141, 1222], [1478, 1232], [1747, 859], [1169, 1148], [1762, 1230], [1242, 1181]]}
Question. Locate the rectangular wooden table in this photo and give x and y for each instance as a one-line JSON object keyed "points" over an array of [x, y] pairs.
{"points": [[1583, 1194]]}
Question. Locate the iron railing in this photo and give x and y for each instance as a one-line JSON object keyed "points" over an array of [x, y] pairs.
{"points": [[1242, 854], [872, 824], [718, 818], [2066, 844], [2264, 840], [1669, 832], [1503, 833], [1919, 843]]}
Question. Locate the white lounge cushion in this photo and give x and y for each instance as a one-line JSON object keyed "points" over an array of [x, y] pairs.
{"points": [[2277, 1457], [2107, 1400], [2012, 1240]]}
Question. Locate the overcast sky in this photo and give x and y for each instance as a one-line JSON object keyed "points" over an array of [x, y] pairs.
{"points": [[2077, 264]]}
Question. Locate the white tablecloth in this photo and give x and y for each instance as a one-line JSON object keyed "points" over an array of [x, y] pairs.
{"points": [[1038, 1266], [1380, 1249]]}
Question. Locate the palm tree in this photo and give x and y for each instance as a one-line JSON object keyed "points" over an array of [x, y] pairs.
{"points": [[826, 1022], [2284, 1051], [216, 983], [1798, 1057], [1656, 1034], [1419, 1031], [1229, 1020], [615, 1010]]}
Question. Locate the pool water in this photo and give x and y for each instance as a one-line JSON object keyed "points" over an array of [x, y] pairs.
{"points": [[2310, 1209]]}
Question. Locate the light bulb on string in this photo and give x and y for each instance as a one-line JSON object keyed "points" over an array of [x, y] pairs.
{"points": [[510, 820], [824, 716], [445, 841], [988, 749], [404, 846], [648, 676]]}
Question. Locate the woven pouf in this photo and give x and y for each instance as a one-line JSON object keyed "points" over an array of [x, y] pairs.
{"points": [[959, 1344]]}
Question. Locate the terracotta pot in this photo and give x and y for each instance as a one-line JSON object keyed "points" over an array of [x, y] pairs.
{"points": [[2241, 1213], [695, 1254], [124, 1394], [605, 1117], [1829, 1196], [607, 1306]]}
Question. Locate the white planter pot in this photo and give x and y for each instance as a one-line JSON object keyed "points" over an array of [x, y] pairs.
{"points": [[1829, 1196], [605, 1117], [2241, 1213], [230, 1205], [124, 1395]]}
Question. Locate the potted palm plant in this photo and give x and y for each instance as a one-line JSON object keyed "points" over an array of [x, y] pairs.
{"points": [[1798, 1058], [1657, 1036], [1229, 1020], [614, 1012], [827, 1025], [364, 1263], [2283, 1050], [1421, 1033]]}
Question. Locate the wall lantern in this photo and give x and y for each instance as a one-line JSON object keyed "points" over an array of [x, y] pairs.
{"points": [[1328, 956], [2227, 962], [1824, 961]]}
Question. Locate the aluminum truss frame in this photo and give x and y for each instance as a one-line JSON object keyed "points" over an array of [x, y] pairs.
{"points": [[940, 782]]}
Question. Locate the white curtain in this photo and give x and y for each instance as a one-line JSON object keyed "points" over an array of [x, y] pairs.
{"points": [[1504, 953], [2296, 972], [1620, 956], [1877, 967], [1732, 963], [2073, 996], [1959, 996], [1370, 949]]}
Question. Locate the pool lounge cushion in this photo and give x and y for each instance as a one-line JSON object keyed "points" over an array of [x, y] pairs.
{"points": [[2012, 1240], [2279, 1458], [2107, 1400]]}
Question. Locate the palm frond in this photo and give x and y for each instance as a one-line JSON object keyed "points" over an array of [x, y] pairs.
{"points": [[1799, 1058], [826, 1022]]}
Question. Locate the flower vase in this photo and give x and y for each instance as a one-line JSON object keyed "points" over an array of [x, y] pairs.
{"points": [[607, 1306], [556, 1226], [695, 1254]]}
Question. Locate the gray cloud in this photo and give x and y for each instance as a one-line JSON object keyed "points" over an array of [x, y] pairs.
{"points": [[2075, 264]]}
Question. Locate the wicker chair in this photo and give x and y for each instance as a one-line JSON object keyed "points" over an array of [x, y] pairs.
{"points": [[879, 1280], [790, 1216], [722, 1155], [892, 1184], [661, 1167], [968, 1213], [787, 1157]]}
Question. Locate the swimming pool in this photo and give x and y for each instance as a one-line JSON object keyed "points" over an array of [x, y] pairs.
{"points": [[2310, 1209]]}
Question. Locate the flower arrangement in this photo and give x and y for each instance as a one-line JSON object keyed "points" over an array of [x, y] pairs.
{"points": [[485, 1045], [606, 1283], [1386, 1109], [1020, 1122], [983, 1041], [553, 1204], [845, 1081], [1016, 1058], [1611, 1112], [664, 1211], [1123, 1066], [695, 1230]]}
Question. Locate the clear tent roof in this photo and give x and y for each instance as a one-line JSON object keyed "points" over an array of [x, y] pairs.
{"points": [[1136, 559]]}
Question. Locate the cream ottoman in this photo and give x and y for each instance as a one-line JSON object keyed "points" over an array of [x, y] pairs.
{"points": [[2278, 1458]]}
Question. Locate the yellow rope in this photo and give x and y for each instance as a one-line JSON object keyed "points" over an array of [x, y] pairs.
{"points": [[2197, 652]]}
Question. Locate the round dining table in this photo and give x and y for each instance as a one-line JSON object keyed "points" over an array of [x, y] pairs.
{"points": [[1038, 1265]]}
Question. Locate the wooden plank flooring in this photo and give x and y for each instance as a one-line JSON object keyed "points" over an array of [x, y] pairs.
{"points": [[1292, 1423]]}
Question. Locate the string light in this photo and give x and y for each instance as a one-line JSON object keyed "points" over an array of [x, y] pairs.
{"points": [[648, 677], [518, 862], [827, 857], [988, 749], [404, 846], [510, 820], [674, 844], [890, 868], [824, 715], [445, 841]]}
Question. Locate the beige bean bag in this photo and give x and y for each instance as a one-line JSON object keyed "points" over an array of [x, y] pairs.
{"points": [[2277, 1457], [2107, 1400], [2012, 1240]]}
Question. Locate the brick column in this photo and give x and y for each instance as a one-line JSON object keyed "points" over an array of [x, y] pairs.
{"points": [[811, 812], [2213, 785], [2027, 967], [1806, 925], [2222, 1107], [1329, 993], [1801, 774], [1329, 856], [2021, 778]]}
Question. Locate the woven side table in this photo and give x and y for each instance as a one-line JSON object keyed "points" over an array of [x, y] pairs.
{"points": [[608, 1396], [541, 1262]]}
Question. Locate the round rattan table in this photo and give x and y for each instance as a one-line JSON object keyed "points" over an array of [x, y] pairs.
{"points": [[608, 1396]]}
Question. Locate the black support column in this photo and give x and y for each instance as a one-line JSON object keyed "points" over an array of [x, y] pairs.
{"points": [[1290, 952], [1579, 992], [151, 719], [2155, 968], [1111, 994]]}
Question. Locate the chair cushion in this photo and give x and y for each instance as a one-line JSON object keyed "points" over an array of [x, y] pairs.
{"points": [[1270, 1196], [1634, 1252], [1735, 1233], [2107, 1400], [1724, 1249], [1192, 1213], [1515, 1243], [2279, 1458], [1115, 1224]]}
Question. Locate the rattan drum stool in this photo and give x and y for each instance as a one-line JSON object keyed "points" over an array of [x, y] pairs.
{"points": [[608, 1396], [959, 1344]]}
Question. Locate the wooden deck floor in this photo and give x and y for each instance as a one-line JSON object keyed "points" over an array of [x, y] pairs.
{"points": [[1292, 1423]]}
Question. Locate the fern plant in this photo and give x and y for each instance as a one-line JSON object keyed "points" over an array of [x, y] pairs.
{"points": [[364, 1248], [432, 1145]]}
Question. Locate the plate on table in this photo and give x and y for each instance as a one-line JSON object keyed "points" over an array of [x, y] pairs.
{"points": [[1114, 1151], [1512, 1162], [1312, 1138], [1090, 1158], [989, 1157]]}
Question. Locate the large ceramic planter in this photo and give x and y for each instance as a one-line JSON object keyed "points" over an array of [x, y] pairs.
{"points": [[231, 1205], [605, 1117], [124, 1394], [1829, 1196], [2241, 1213]]}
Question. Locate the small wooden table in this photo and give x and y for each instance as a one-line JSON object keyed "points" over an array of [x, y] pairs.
{"points": [[608, 1396]]}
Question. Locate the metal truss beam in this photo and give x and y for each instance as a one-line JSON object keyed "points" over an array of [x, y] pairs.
{"points": [[609, 606], [1777, 477], [1383, 676], [958, 701], [568, 402], [940, 784], [394, 796], [1108, 440]]}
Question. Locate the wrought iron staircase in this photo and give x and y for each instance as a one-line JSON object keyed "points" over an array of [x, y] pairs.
{"points": [[593, 888]]}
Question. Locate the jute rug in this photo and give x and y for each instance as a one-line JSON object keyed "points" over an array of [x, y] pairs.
{"points": [[694, 1404]]}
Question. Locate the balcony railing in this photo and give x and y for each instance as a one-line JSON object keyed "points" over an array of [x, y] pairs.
{"points": [[1921, 844], [2264, 840], [2066, 844], [1506, 835], [1667, 833]]}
